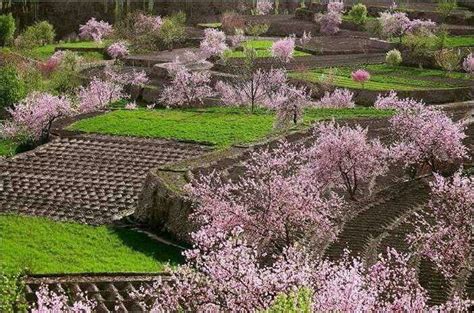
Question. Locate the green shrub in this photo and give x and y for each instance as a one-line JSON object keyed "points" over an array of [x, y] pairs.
{"points": [[422, 48], [449, 59], [358, 14], [39, 34], [445, 7], [295, 302], [172, 31], [12, 87], [393, 57], [178, 18], [12, 293], [64, 80], [7, 29], [257, 30], [374, 27]]}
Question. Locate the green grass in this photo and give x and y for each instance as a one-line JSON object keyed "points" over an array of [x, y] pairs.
{"points": [[7, 147], [46, 51], [262, 48], [384, 77], [459, 41], [210, 25], [220, 126], [44, 246]]}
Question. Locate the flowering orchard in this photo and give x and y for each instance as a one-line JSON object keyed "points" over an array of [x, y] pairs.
{"points": [[96, 30]]}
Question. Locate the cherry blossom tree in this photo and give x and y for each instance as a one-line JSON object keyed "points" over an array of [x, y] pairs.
{"points": [[213, 43], [147, 23], [330, 22], [289, 103], [32, 118], [118, 50], [283, 49], [392, 101], [305, 38], [443, 232], [360, 76], [187, 88], [274, 202], [426, 136], [346, 156], [339, 98], [468, 64], [336, 6], [253, 89], [96, 30], [263, 7], [394, 24], [50, 301]]}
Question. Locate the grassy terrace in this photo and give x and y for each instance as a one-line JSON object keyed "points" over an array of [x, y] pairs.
{"points": [[7, 147], [44, 52], [384, 77], [459, 41], [262, 48], [220, 126], [45, 246]]}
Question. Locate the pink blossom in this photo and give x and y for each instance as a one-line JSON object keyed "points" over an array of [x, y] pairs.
{"points": [[58, 56], [118, 50], [340, 98], [147, 23], [330, 22], [347, 157], [131, 106], [444, 232], [187, 88], [33, 117], [283, 49], [426, 136], [468, 64], [213, 43], [305, 38], [360, 76], [391, 101], [49, 301], [151, 106], [336, 6], [263, 7], [95, 30], [98, 95], [253, 90], [48, 67], [394, 24], [289, 103], [237, 38], [422, 27]]}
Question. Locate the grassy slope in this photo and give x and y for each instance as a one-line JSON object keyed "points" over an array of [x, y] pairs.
{"points": [[221, 126], [384, 78], [460, 41], [44, 52], [46, 246], [262, 47]]}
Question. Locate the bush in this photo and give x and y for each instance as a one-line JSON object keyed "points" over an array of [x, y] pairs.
{"points": [[393, 57], [39, 34], [172, 30], [422, 48], [374, 27], [12, 88], [12, 289], [358, 13], [7, 29], [256, 30], [449, 59], [64, 80], [232, 21], [445, 7]]}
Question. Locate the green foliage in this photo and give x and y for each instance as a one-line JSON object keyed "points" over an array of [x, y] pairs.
{"points": [[39, 34], [172, 30], [458, 41], [12, 296], [295, 302], [421, 47], [445, 7], [7, 148], [45, 246], [393, 57], [7, 29], [358, 13], [449, 59], [222, 126], [374, 27], [64, 80], [257, 30], [12, 88]]}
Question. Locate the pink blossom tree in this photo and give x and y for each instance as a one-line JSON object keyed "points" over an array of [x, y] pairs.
{"points": [[305, 38], [118, 50], [394, 24], [274, 202], [330, 22], [346, 156], [263, 7], [468, 64], [32, 118], [96, 30], [392, 101], [252, 89], [443, 233], [50, 301], [360, 76], [426, 137], [283, 49], [289, 102], [336, 6], [187, 88], [147, 23], [213, 43], [339, 98]]}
